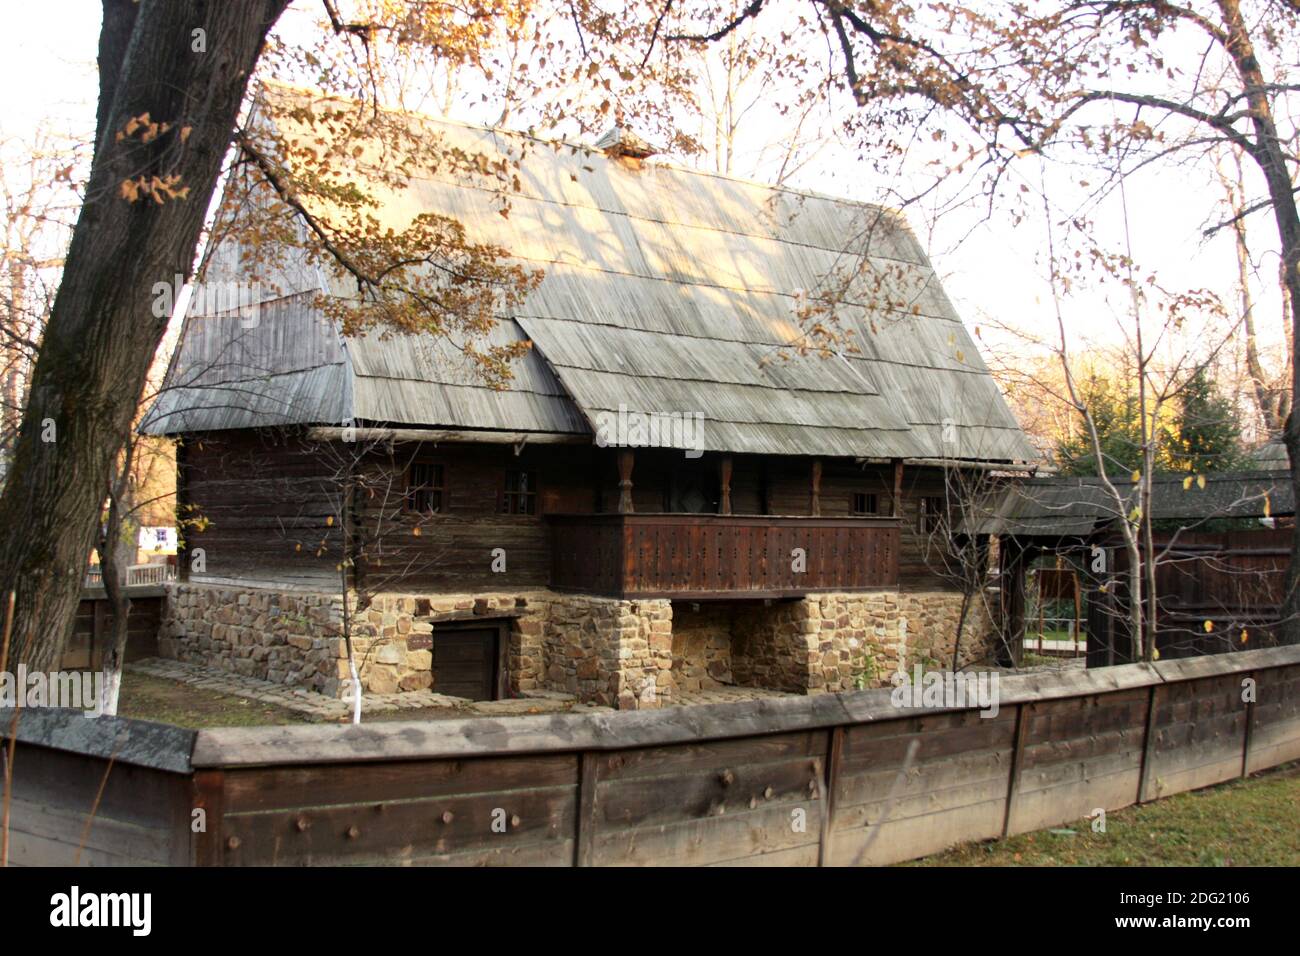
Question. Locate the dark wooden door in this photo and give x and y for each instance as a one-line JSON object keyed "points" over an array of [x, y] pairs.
{"points": [[465, 662]]}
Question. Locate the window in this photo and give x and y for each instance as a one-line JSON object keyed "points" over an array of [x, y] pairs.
{"points": [[426, 490], [520, 495], [931, 515], [864, 503]]}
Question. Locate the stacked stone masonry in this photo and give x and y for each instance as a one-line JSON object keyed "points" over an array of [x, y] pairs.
{"points": [[622, 653]]}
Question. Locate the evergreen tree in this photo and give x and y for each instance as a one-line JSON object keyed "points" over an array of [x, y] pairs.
{"points": [[1115, 412], [1206, 434]]}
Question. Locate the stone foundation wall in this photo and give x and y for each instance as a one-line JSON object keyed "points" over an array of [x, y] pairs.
{"points": [[848, 641], [618, 653], [702, 645], [604, 651]]}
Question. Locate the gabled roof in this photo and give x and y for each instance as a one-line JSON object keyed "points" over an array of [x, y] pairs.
{"points": [[666, 290]]}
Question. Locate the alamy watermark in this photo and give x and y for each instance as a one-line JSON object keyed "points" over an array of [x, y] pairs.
{"points": [[944, 689], [630, 429], [75, 690], [242, 299]]}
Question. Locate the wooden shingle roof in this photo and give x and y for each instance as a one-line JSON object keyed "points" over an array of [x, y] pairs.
{"points": [[666, 290]]}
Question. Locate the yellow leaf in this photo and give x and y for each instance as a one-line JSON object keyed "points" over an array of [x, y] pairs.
{"points": [[1200, 481], [298, 546], [329, 521], [1187, 483], [1137, 476], [1209, 627], [1245, 635], [1155, 653], [416, 532]]}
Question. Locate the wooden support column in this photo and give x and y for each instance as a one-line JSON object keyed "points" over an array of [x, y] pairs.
{"points": [[182, 500], [625, 461], [897, 506], [724, 475], [1011, 597], [816, 507]]}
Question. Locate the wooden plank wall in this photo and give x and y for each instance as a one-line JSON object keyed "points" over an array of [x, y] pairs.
{"points": [[494, 810], [94, 622], [843, 779], [99, 792]]}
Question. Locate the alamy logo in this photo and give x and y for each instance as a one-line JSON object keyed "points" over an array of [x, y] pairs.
{"points": [[75, 690], [628, 429], [74, 909], [932, 689], [211, 299]]}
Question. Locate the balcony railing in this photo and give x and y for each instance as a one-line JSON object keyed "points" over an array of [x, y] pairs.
{"points": [[717, 556], [137, 575]]}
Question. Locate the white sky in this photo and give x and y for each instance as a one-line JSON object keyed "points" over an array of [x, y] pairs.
{"points": [[47, 65]]}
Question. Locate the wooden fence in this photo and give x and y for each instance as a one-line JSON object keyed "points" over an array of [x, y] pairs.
{"points": [[94, 622], [832, 779], [1216, 592]]}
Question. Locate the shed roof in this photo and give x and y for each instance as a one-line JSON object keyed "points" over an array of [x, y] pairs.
{"points": [[666, 290], [1077, 507]]}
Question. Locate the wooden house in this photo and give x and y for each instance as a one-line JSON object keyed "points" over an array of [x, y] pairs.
{"points": [[668, 497]]}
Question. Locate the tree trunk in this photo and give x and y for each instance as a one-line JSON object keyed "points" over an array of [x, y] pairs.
{"points": [[182, 62], [1268, 153]]}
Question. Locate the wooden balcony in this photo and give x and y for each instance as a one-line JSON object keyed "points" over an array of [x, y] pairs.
{"points": [[720, 556]]}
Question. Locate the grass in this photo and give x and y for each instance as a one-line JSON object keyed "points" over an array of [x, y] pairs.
{"points": [[1250, 822], [170, 702]]}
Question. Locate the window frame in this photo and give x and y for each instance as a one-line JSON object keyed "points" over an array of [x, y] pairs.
{"points": [[508, 499], [931, 508], [439, 489], [872, 499]]}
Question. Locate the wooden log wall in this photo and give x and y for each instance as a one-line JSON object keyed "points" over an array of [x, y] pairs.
{"points": [[840, 779], [267, 507]]}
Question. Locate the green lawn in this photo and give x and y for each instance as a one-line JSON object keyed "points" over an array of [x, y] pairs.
{"points": [[1252, 822]]}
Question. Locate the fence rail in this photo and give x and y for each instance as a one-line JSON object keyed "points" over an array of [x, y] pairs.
{"points": [[834, 779]]}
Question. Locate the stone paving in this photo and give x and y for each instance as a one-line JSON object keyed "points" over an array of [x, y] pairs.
{"points": [[320, 707], [722, 695]]}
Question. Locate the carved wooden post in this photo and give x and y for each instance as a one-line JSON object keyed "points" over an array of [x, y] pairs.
{"points": [[816, 488], [625, 482], [724, 469]]}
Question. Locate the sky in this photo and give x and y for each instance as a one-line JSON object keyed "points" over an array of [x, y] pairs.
{"points": [[992, 270]]}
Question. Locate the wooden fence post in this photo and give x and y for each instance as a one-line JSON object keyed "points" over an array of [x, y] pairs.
{"points": [[834, 756], [1250, 725], [1017, 750], [206, 795], [1148, 741], [585, 820]]}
